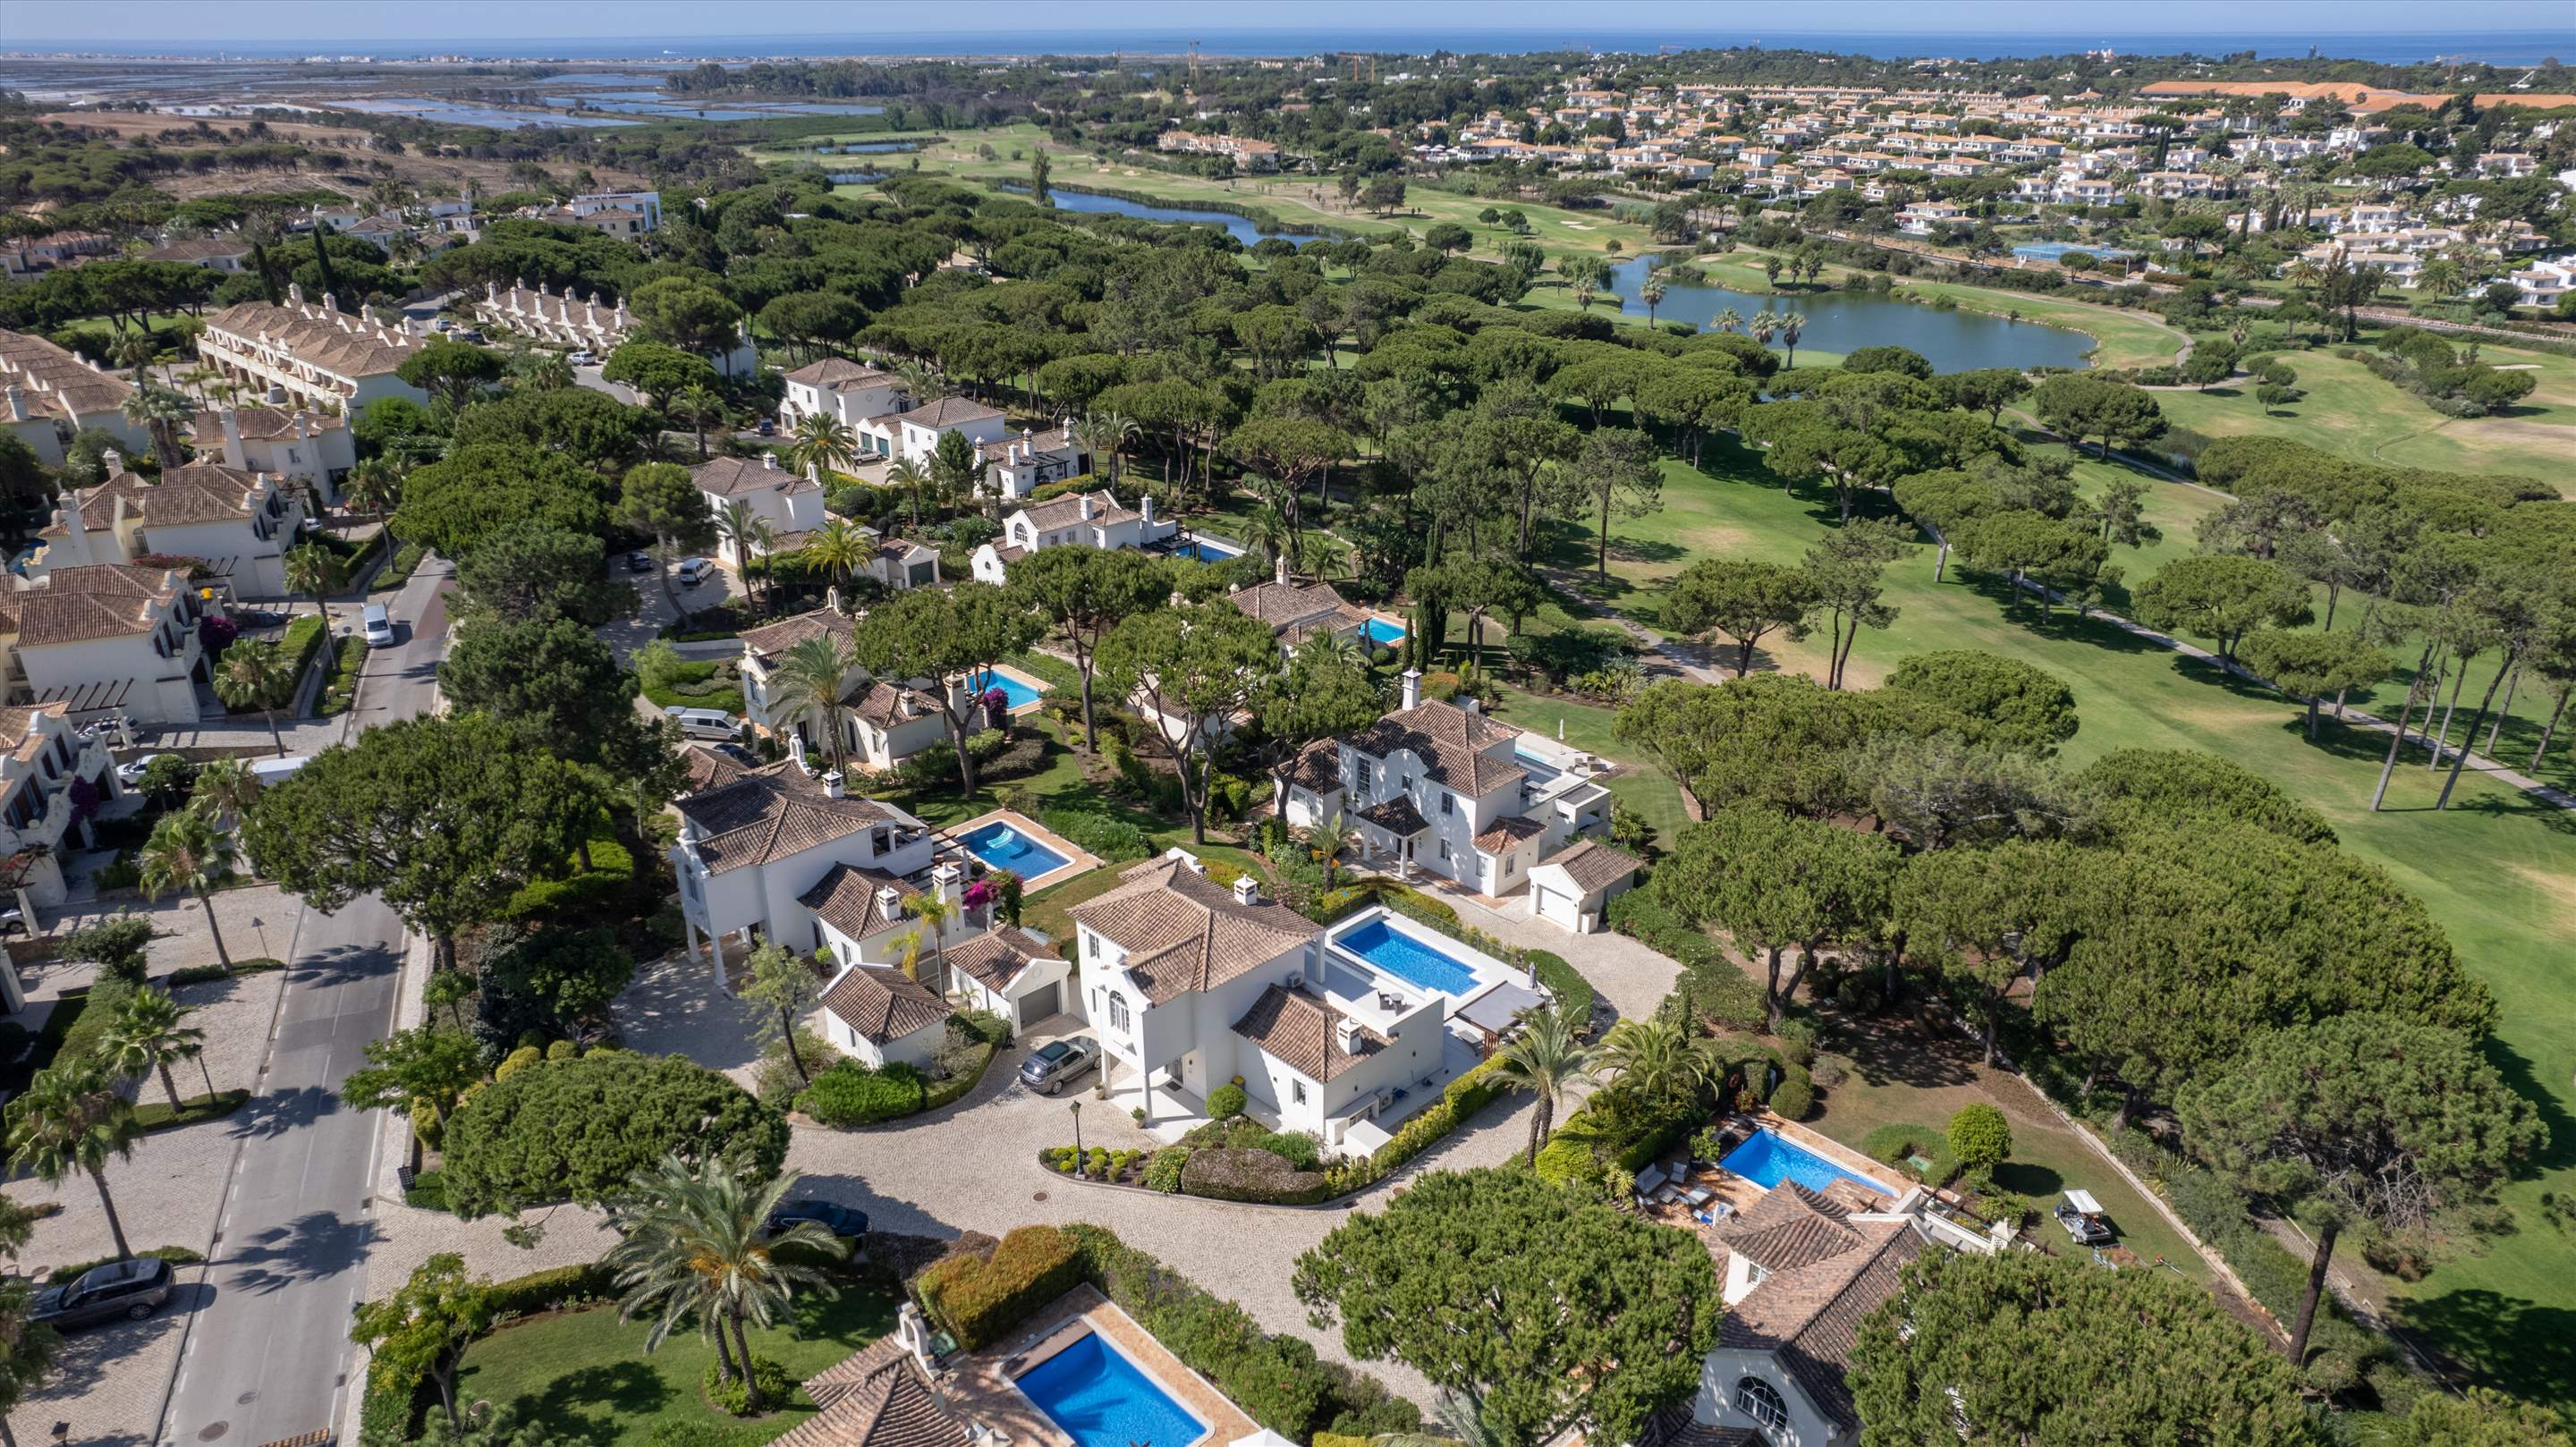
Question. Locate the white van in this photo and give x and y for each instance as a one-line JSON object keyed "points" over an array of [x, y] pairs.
{"points": [[704, 723], [378, 626]]}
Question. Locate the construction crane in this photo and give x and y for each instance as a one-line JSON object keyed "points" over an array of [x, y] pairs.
{"points": [[1194, 66]]}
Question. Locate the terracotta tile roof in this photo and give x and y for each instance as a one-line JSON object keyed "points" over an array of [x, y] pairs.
{"points": [[743, 476], [334, 341], [883, 704], [997, 956], [1042, 444], [836, 372], [1451, 743], [1302, 1031], [1508, 832], [1184, 932], [19, 734], [1317, 767], [948, 412], [772, 813], [1791, 1226], [1397, 816], [52, 381], [846, 899], [1593, 864], [1302, 606], [102, 600], [200, 492], [770, 639], [883, 1003], [1064, 512], [708, 769], [1806, 1316], [874, 1397]]}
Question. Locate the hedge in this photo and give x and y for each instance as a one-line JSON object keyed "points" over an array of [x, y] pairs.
{"points": [[1253, 1175], [209, 974], [1573, 993], [1897, 1143], [154, 1115], [1114, 841], [851, 1092], [545, 1290], [1464, 1096], [979, 1298], [1710, 980], [302, 640], [342, 688]]}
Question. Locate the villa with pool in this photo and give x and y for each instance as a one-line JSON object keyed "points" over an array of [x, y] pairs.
{"points": [[1344, 1031]]}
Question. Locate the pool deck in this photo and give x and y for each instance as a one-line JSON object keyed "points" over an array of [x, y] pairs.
{"points": [[981, 1385], [1076, 861]]}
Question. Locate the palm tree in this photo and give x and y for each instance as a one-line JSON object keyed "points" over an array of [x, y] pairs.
{"points": [[934, 914], [137, 352], [256, 675], [915, 481], [1265, 531], [225, 789], [1765, 322], [821, 443], [696, 406], [924, 383], [2441, 279], [160, 412], [1658, 1059], [1583, 292], [311, 571], [1729, 319], [73, 1119], [697, 1242], [1107, 432], [372, 487], [149, 1032], [1652, 294], [838, 548], [1790, 326], [805, 682], [736, 524], [1544, 1058], [186, 851]]}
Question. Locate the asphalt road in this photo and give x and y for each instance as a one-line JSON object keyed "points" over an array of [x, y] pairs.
{"points": [[269, 1356]]}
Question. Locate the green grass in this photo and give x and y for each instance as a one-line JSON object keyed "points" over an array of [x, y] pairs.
{"points": [[2497, 869], [584, 1376], [156, 1115], [341, 690], [2351, 411], [1642, 787]]}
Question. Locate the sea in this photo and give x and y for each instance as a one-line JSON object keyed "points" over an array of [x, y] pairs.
{"points": [[2496, 47]]}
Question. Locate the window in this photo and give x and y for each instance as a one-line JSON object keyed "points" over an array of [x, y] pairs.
{"points": [[1448, 804], [1297, 1091], [1760, 1401], [1118, 1014]]}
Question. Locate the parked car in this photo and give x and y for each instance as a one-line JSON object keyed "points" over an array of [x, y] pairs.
{"points": [[378, 626], [704, 723], [1052, 1064], [12, 922], [582, 359], [839, 1220], [130, 1289], [130, 773], [470, 335], [768, 428], [735, 752], [639, 562], [694, 571], [2081, 1215]]}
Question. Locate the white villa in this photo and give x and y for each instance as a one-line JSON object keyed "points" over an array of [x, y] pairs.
{"points": [[790, 503], [1088, 520], [882, 724], [103, 640], [41, 753], [1444, 787], [310, 449], [47, 394], [319, 357], [1014, 467], [883, 417], [239, 524]]}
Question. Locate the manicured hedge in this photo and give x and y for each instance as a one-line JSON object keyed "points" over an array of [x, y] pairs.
{"points": [[1573, 993], [342, 688], [1252, 1175], [1710, 981], [979, 1298], [854, 1093], [302, 640]]}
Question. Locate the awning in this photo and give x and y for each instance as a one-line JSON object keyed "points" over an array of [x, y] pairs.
{"points": [[1498, 1009]]}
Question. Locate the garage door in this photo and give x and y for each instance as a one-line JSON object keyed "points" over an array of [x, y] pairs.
{"points": [[1553, 906], [1036, 1005]]}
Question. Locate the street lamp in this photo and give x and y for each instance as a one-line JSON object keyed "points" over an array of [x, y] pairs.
{"points": [[1077, 1134]]}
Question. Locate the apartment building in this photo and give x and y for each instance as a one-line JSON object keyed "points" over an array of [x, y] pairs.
{"points": [[47, 394], [238, 524], [42, 754], [308, 450], [318, 357], [105, 640]]}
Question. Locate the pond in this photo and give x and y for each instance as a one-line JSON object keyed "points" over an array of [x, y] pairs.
{"points": [[458, 113], [1240, 228], [1842, 321]]}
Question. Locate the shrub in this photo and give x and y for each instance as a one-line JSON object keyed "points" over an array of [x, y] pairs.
{"points": [[850, 1093], [558, 1286], [735, 1396], [1899, 1145], [1297, 1148], [1567, 1161], [978, 1298], [425, 1122], [697, 1434], [1113, 840], [563, 1050], [175, 1255], [537, 1137], [1795, 1095], [1225, 1102], [428, 1191], [1227, 1174], [1163, 1170], [518, 1060], [1980, 1136], [1573, 992]]}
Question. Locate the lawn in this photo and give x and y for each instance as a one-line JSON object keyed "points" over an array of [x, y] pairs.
{"points": [[2126, 338], [2350, 411], [2497, 870], [584, 1376]]}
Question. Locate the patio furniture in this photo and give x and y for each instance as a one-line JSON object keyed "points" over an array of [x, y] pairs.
{"points": [[1698, 1195]]}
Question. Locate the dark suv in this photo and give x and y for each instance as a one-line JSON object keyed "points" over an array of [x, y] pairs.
{"points": [[130, 1289]]}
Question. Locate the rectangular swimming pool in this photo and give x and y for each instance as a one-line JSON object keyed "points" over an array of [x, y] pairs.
{"points": [[1017, 692], [1384, 634], [1407, 958], [1101, 1399], [1207, 552], [1001, 845], [1767, 1160]]}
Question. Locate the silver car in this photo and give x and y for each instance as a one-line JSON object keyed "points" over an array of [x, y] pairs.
{"points": [[1051, 1065]]}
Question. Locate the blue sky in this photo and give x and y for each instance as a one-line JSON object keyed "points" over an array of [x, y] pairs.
{"points": [[496, 23]]}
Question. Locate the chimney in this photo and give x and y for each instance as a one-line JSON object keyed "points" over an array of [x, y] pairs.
{"points": [[947, 881], [1086, 507], [1146, 504], [769, 460], [1469, 703], [295, 293], [1246, 891], [832, 784], [330, 302], [1346, 1033], [889, 902], [1279, 569], [1413, 688], [796, 747], [814, 473], [113, 461], [491, 291], [234, 456]]}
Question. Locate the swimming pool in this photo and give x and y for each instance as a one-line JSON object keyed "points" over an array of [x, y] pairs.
{"points": [[1384, 634], [1019, 694], [1101, 1399], [1407, 958], [1001, 845], [1767, 1160], [1206, 552]]}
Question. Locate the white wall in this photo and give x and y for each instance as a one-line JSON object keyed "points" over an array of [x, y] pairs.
{"points": [[1724, 1367]]}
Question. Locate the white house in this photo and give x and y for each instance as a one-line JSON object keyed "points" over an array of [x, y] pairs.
{"points": [[317, 356], [239, 524], [754, 842], [1574, 886], [1189, 984], [790, 503], [883, 418], [310, 449], [643, 208], [1088, 519], [44, 753], [1012, 974], [105, 640], [558, 317], [1014, 467], [882, 723], [880, 1014], [840, 389], [913, 433], [1445, 787], [47, 394]]}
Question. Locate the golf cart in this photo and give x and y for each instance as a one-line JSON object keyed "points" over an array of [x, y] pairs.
{"points": [[2081, 1215]]}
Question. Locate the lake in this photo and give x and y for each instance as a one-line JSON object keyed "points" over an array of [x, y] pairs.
{"points": [[1842, 321], [1240, 228]]}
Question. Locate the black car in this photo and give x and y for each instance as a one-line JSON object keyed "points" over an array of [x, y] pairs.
{"points": [[639, 562], [130, 1289], [839, 1220], [735, 752]]}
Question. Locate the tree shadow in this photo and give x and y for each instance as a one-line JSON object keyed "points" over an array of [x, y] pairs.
{"points": [[2527, 1349], [2024, 1178], [1638, 550], [2519, 1073], [313, 1246], [344, 964], [593, 1404], [1889, 1050], [279, 1112]]}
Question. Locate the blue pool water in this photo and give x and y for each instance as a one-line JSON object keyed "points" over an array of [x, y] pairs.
{"points": [[1767, 1160], [2052, 250], [1003, 846], [1017, 692], [1101, 1399], [1384, 634], [1407, 958], [1206, 552], [1539, 768]]}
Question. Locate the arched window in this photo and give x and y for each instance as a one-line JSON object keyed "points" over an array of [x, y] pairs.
{"points": [[1760, 1401]]}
